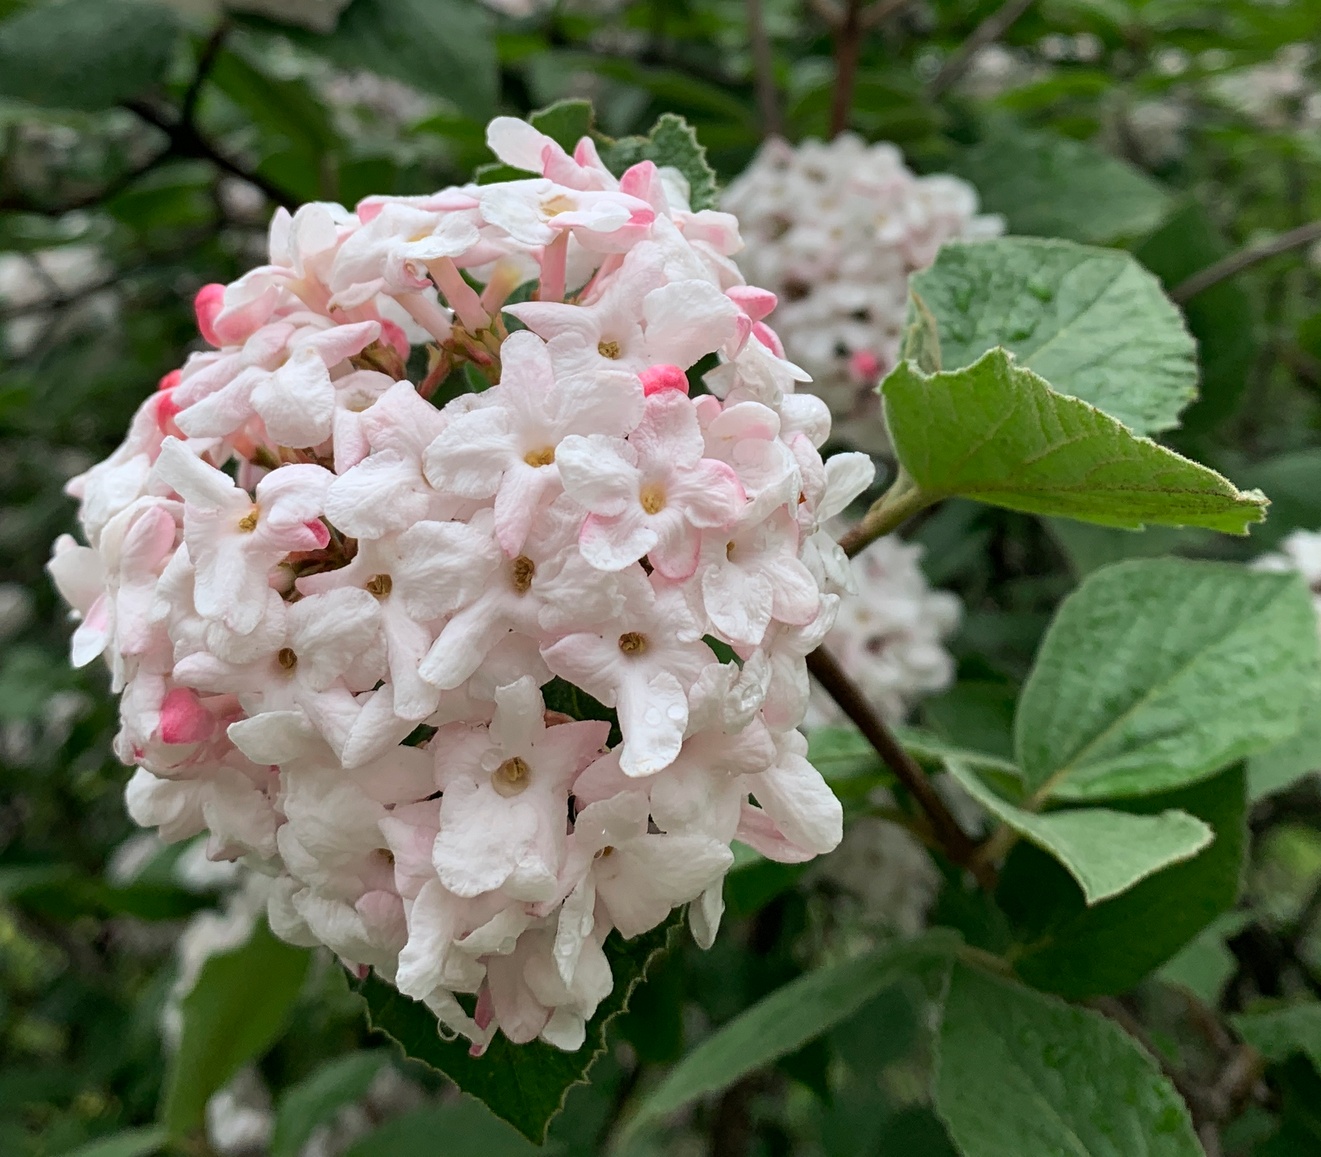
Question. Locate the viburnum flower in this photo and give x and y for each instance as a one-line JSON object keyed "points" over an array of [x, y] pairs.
{"points": [[834, 230], [478, 678]]}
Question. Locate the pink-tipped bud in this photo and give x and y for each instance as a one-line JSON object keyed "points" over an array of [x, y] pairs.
{"points": [[656, 379], [184, 719], [166, 410], [756, 303], [170, 380], [769, 338], [208, 303], [393, 335]]}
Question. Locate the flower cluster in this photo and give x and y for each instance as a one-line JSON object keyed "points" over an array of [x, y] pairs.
{"points": [[834, 230], [363, 628], [889, 635], [1299, 551]]}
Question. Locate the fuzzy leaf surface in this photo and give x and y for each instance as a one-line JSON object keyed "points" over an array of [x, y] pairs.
{"points": [[1024, 1073], [1159, 672], [1092, 322]]}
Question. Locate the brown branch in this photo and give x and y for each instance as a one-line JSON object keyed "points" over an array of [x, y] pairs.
{"points": [[987, 32], [957, 844], [206, 61], [848, 51], [187, 141], [1236, 263], [763, 62]]}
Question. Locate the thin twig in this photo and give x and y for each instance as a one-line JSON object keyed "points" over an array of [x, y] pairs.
{"points": [[205, 63], [987, 32], [763, 62], [187, 141], [1236, 263], [848, 51], [957, 844]]}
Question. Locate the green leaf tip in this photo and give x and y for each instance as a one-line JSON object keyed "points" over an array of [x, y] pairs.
{"points": [[997, 432]]}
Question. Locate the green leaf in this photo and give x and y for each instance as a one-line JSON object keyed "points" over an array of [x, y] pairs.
{"points": [[445, 47], [673, 142], [566, 122], [130, 1143], [523, 1084], [1092, 322], [787, 1019], [1023, 1073], [85, 54], [235, 1012], [997, 432], [1106, 851], [461, 1129], [1051, 186], [1279, 1033], [319, 1096], [1067, 947], [1159, 672], [1283, 765]]}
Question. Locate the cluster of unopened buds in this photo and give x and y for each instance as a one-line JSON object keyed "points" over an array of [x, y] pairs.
{"points": [[835, 229], [355, 620]]}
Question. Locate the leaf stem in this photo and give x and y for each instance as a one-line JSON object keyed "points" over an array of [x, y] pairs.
{"points": [[895, 507], [955, 842], [1245, 258]]}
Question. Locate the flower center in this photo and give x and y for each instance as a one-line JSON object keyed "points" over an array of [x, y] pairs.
{"points": [[543, 457], [554, 206], [286, 658], [385, 856], [652, 497], [729, 549], [608, 349], [632, 642], [511, 777], [521, 573], [248, 523], [604, 853], [379, 585]]}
